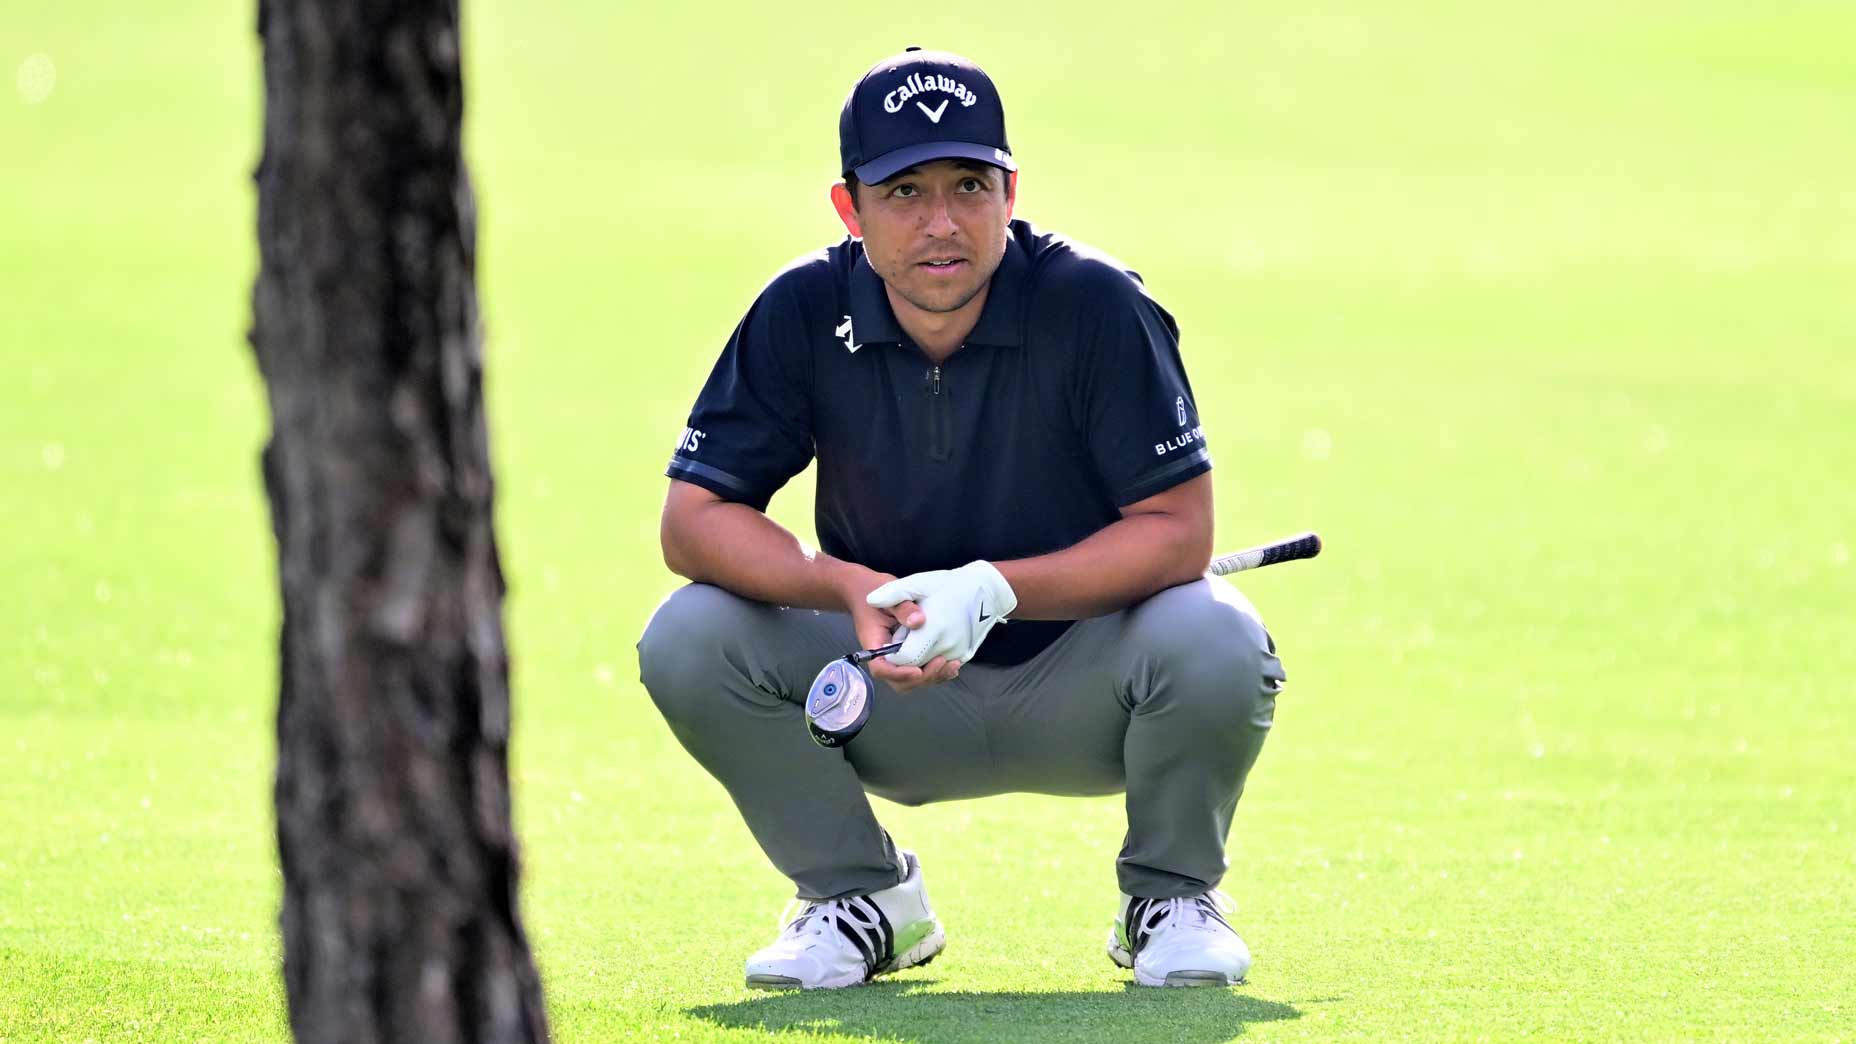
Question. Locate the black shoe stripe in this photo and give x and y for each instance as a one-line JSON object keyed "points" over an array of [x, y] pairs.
{"points": [[1137, 925], [885, 931], [856, 936]]}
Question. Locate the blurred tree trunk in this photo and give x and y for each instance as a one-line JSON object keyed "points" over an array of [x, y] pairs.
{"points": [[400, 919]]}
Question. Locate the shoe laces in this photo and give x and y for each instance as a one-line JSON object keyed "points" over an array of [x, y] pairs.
{"points": [[851, 924], [1203, 913], [821, 916]]}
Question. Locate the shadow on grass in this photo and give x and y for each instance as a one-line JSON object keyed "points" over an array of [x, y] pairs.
{"points": [[907, 1011]]}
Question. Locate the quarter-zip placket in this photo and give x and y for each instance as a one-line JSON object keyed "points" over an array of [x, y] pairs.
{"points": [[938, 421]]}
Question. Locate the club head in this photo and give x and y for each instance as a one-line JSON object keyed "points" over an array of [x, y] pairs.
{"points": [[838, 704]]}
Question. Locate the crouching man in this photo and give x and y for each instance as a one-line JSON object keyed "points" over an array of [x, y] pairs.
{"points": [[1012, 479]]}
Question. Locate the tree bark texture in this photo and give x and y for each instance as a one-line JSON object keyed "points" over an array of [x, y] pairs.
{"points": [[400, 917]]}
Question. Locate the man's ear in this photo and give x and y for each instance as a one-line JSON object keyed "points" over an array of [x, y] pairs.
{"points": [[1011, 193], [847, 209]]}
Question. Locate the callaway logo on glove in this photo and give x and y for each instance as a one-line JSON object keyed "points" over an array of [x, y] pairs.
{"points": [[961, 606]]}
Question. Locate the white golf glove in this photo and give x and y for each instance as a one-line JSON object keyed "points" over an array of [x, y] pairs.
{"points": [[961, 605]]}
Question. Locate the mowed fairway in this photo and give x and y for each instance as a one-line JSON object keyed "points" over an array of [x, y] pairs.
{"points": [[1545, 315]]}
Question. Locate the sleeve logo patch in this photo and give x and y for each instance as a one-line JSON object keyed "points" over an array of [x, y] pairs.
{"points": [[1186, 438], [1179, 407], [690, 441]]}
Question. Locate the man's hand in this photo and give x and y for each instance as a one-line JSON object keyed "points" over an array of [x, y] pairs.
{"points": [[958, 607], [877, 627]]}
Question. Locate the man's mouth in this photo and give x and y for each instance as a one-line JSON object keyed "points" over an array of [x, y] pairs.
{"points": [[942, 264]]}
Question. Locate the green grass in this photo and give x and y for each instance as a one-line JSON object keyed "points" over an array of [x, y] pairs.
{"points": [[1543, 315]]}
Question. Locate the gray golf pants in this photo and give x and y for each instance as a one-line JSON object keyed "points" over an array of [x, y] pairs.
{"points": [[1168, 700]]}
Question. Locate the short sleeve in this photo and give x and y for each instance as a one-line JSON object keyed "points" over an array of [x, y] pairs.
{"points": [[1138, 413], [750, 430]]}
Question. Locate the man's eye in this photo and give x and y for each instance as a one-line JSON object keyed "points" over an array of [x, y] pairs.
{"points": [[971, 185], [905, 190]]}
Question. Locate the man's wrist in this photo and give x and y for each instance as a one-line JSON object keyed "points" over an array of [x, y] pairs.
{"points": [[848, 581]]}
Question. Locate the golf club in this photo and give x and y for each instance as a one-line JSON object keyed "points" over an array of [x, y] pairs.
{"points": [[838, 704]]}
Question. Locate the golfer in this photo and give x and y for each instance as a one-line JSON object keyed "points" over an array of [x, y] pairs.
{"points": [[1012, 480]]}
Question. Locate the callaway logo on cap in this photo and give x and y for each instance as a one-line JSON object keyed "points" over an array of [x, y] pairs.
{"points": [[917, 107]]}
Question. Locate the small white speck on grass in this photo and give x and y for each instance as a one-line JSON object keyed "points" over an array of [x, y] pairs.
{"points": [[1517, 855], [1655, 439], [86, 525], [1839, 554], [103, 592], [1537, 750], [183, 659], [145, 801], [37, 78], [1317, 444], [1766, 558], [602, 673], [575, 795], [52, 454]]}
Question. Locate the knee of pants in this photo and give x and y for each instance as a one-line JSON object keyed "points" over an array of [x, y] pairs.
{"points": [[683, 656], [1217, 658]]}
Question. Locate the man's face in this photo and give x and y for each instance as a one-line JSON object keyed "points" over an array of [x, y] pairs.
{"points": [[935, 233]]}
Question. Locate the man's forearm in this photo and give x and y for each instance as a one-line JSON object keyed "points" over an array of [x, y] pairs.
{"points": [[741, 550], [1117, 566]]}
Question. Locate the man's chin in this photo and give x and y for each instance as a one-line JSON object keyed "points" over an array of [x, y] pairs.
{"points": [[941, 301]]}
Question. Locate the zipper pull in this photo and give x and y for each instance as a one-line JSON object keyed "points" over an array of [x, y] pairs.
{"points": [[934, 379]]}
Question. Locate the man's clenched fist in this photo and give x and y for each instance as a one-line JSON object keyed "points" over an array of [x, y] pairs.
{"points": [[960, 605]]}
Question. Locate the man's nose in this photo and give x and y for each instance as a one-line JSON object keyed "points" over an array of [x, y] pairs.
{"points": [[940, 218]]}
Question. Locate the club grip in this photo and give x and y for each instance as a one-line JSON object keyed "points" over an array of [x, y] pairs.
{"points": [[1302, 545]]}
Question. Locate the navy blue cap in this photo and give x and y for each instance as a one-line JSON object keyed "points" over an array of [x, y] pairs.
{"points": [[920, 106]]}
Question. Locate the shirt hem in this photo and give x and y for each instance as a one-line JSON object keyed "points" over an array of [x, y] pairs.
{"points": [[1165, 478]]}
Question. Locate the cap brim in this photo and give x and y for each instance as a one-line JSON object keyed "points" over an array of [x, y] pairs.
{"points": [[890, 164]]}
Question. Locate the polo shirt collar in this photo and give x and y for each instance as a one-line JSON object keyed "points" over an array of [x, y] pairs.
{"points": [[1001, 320]]}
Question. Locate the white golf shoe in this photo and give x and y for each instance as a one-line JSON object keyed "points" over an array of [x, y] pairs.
{"points": [[1179, 942], [845, 942]]}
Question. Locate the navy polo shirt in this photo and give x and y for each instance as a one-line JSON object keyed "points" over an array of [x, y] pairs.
{"points": [[1067, 402]]}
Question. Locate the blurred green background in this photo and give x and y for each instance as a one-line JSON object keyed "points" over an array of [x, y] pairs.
{"points": [[1542, 314]]}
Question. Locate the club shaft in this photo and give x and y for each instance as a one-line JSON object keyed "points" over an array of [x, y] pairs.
{"points": [[866, 655], [1289, 549]]}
